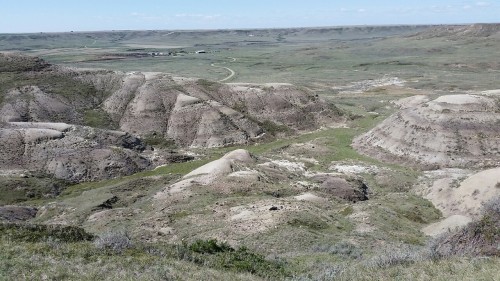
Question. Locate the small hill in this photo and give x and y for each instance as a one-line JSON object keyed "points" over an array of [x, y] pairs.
{"points": [[10, 62], [450, 131], [201, 113], [461, 31]]}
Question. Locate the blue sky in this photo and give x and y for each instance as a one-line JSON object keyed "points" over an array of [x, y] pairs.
{"points": [[86, 15]]}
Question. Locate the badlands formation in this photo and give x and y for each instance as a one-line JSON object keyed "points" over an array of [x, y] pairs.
{"points": [[447, 135], [450, 131], [43, 115]]}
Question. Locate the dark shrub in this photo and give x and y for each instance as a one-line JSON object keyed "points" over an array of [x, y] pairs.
{"points": [[41, 232]]}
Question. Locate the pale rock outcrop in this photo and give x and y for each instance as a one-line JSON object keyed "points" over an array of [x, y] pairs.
{"points": [[191, 112], [32, 104], [448, 224], [210, 172], [73, 153], [450, 131]]}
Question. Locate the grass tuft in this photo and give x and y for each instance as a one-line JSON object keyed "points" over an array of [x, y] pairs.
{"points": [[114, 241]]}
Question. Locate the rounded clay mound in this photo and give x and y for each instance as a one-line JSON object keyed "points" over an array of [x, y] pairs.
{"points": [[450, 131]]}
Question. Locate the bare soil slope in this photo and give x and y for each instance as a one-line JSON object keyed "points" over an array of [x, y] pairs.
{"points": [[69, 152], [450, 131], [201, 113]]}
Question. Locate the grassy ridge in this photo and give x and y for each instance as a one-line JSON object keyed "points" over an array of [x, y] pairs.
{"points": [[58, 259], [62, 252]]}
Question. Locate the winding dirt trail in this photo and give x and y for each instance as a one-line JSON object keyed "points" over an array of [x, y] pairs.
{"points": [[231, 72]]}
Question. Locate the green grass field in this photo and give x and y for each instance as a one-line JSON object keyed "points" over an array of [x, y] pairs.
{"points": [[318, 59]]}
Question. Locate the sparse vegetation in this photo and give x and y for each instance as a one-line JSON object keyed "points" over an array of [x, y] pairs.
{"points": [[35, 233], [401, 215], [15, 190], [209, 85], [308, 221], [114, 241], [479, 238], [98, 118], [402, 255], [342, 249], [69, 247], [159, 141], [273, 128]]}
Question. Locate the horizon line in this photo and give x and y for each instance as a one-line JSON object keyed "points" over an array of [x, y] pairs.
{"points": [[250, 28]]}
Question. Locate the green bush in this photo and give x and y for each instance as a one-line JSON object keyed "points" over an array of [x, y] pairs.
{"points": [[157, 140], [15, 190], [42, 232], [209, 247], [242, 260], [478, 238], [98, 118], [222, 256], [273, 128]]}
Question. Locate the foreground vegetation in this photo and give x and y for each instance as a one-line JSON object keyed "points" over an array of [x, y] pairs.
{"points": [[48, 254], [34, 252]]}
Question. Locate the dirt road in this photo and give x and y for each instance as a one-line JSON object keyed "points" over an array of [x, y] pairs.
{"points": [[231, 72]]}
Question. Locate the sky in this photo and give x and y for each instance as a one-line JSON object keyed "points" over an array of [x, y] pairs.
{"points": [[21, 16]]}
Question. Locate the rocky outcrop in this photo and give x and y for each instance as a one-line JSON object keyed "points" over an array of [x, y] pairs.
{"points": [[69, 152], [450, 131], [210, 172], [29, 103], [49, 115], [200, 113], [191, 112], [352, 190]]}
